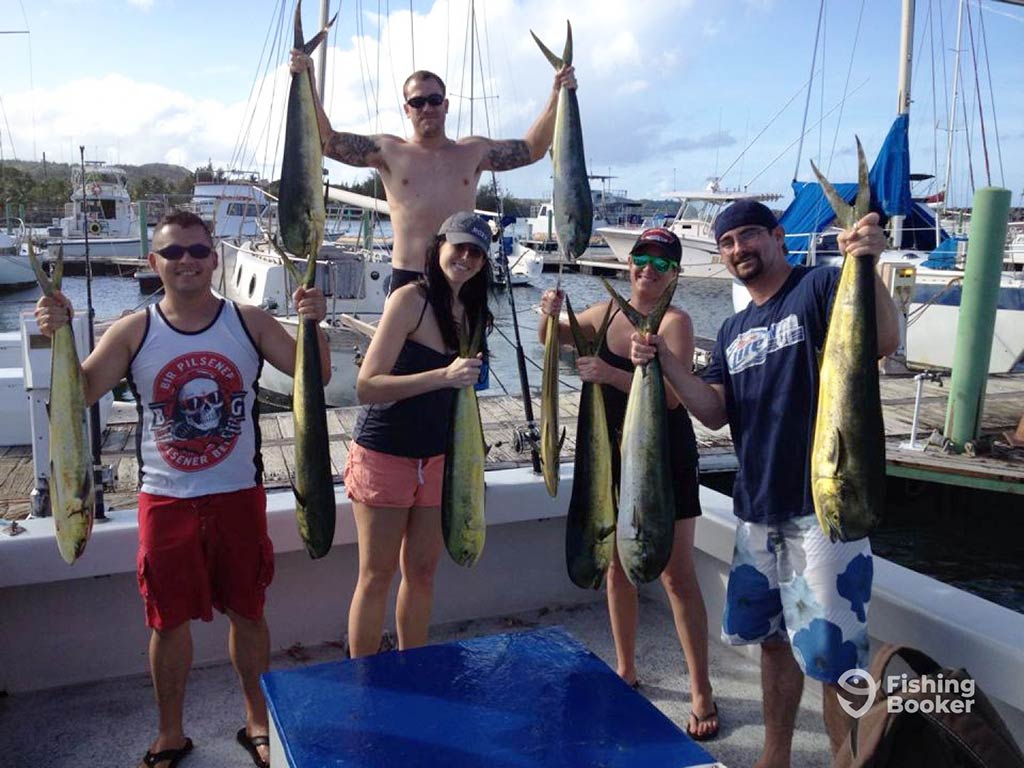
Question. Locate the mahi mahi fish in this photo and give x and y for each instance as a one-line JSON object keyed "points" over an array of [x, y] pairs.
{"points": [[462, 491], [848, 450], [574, 219], [647, 507], [71, 475], [301, 213], [590, 524]]}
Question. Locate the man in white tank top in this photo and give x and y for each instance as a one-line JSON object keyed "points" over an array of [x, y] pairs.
{"points": [[193, 361]]}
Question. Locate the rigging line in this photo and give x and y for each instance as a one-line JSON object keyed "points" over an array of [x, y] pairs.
{"points": [[790, 146], [483, 89], [10, 136], [376, 79], [768, 125], [462, 82], [846, 85], [934, 187], [395, 89], [992, 95], [280, 48], [243, 130], [977, 88], [807, 103], [31, 77], [821, 98], [412, 37]]}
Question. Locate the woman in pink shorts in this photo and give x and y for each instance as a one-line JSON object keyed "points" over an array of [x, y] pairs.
{"points": [[396, 461]]}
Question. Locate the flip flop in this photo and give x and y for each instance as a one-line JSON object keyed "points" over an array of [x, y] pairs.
{"points": [[174, 756], [709, 735], [251, 743]]}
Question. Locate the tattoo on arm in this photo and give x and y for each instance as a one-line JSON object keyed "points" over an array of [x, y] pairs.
{"points": [[352, 149], [509, 154]]}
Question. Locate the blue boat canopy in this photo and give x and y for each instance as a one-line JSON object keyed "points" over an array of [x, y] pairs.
{"points": [[890, 195]]}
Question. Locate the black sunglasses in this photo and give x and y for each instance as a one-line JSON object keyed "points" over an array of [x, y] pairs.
{"points": [[175, 252], [434, 100]]}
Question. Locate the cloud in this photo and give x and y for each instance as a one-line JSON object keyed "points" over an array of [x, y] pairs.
{"points": [[708, 141]]}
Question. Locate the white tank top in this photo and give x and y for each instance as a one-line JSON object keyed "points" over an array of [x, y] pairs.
{"points": [[196, 392]]}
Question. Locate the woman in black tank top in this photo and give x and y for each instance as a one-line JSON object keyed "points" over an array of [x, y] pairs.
{"points": [[653, 264], [396, 462]]}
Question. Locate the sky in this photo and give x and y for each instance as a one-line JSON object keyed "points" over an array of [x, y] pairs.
{"points": [[672, 93]]}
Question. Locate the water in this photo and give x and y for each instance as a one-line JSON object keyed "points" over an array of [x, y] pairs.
{"points": [[111, 296]]}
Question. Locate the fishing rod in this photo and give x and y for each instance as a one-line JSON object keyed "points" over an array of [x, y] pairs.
{"points": [[94, 409], [527, 435]]}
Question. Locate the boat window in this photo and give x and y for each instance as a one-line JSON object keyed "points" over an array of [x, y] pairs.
{"points": [[252, 286], [238, 275]]}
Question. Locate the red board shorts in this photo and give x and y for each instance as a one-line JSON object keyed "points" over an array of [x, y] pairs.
{"points": [[382, 480], [203, 553]]}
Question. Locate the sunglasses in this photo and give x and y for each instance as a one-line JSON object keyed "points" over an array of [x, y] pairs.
{"points": [[176, 252], [660, 263], [434, 100]]}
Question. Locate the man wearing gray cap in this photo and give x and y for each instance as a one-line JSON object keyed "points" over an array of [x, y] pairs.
{"points": [[800, 596], [396, 460]]}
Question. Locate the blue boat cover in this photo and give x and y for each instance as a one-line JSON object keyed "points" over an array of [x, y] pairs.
{"points": [[943, 257], [890, 195], [537, 698]]}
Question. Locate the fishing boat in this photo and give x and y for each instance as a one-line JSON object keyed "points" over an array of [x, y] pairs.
{"points": [[693, 224], [15, 270], [101, 210]]}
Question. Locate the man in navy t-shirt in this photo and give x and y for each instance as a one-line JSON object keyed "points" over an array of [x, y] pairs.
{"points": [[800, 596]]}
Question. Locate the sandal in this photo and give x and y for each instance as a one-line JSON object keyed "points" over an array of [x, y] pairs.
{"points": [[170, 756], [694, 733], [251, 743]]}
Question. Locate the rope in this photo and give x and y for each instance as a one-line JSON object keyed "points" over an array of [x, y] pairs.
{"points": [[807, 102], [846, 85], [992, 96], [977, 88], [563, 382]]}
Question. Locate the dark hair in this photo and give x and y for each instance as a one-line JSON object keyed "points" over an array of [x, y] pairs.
{"points": [[439, 295], [421, 75], [183, 220]]}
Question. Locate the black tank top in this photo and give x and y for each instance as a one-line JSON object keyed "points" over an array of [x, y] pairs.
{"points": [[416, 427], [681, 439]]}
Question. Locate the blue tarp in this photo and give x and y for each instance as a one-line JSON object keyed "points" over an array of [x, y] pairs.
{"points": [[890, 195], [943, 257]]}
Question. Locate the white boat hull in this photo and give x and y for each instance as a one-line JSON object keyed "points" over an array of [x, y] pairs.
{"points": [[99, 248], [699, 258], [42, 597], [15, 271]]}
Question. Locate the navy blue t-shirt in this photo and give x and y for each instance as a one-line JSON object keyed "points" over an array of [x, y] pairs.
{"points": [[767, 359]]}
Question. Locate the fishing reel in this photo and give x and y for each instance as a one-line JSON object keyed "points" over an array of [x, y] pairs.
{"points": [[526, 437]]}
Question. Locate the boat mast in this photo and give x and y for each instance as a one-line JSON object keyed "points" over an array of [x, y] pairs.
{"points": [[952, 106], [321, 53], [903, 92]]}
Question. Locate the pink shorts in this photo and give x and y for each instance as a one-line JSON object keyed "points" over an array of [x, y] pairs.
{"points": [[203, 553], [382, 480]]}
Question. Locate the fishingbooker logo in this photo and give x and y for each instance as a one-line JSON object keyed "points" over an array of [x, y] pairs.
{"points": [[198, 410], [752, 347], [926, 695]]}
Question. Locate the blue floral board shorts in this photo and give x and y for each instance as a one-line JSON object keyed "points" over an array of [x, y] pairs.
{"points": [[789, 579]]}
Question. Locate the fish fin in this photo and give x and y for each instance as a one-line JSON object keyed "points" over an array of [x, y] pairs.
{"points": [[286, 261], [57, 273], [318, 38], [843, 211], [836, 450], [476, 344], [44, 281], [656, 314], [561, 439], [298, 25], [567, 51], [604, 533], [578, 337], [631, 314], [309, 279], [862, 205], [555, 61]]}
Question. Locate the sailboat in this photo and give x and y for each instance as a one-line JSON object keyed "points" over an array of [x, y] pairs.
{"points": [[917, 240]]}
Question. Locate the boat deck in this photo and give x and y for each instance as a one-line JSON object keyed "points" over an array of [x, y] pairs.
{"points": [[113, 721], [997, 467]]}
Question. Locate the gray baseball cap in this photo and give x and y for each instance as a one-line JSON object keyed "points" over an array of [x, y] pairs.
{"points": [[466, 227]]}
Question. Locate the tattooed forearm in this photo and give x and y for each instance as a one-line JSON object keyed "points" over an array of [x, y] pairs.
{"points": [[506, 155], [351, 148]]}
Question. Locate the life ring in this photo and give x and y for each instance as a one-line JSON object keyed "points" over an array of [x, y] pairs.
{"points": [[94, 228], [96, 189]]}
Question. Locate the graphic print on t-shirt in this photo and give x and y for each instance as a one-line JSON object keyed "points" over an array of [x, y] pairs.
{"points": [[751, 348], [198, 407]]}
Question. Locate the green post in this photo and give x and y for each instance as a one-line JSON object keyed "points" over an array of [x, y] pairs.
{"points": [[143, 230], [977, 319]]}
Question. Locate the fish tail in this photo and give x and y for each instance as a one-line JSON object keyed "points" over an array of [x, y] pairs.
{"points": [[631, 314], [844, 212], [862, 205], [44, 282], [556, 62], [567, 52]]}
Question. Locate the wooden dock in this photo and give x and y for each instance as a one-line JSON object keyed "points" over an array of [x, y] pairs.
{"points": [[998, 467]]}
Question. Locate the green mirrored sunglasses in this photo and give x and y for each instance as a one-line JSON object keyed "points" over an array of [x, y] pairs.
{"points": [[660, 263]]}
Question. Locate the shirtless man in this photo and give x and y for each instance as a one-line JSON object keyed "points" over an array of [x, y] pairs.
{"points": [[430, 176]]}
